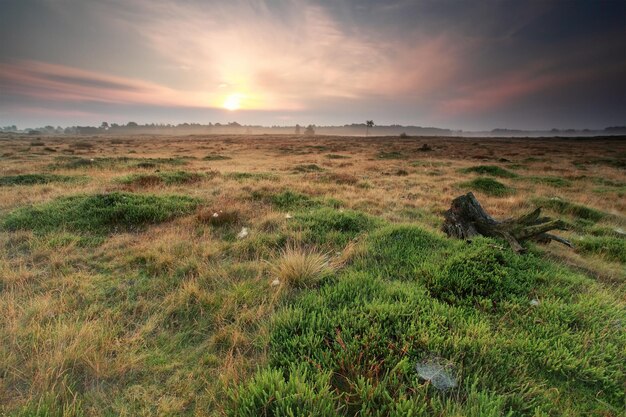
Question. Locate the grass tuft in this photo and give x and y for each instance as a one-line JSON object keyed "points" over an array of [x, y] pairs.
{"points": [[300, 268], [573, 209]]}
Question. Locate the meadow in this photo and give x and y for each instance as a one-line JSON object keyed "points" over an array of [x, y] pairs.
{"points": [[290, 276]]}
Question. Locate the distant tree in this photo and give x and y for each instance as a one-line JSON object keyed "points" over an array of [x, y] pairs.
{"points": [[297, 129], [368, 124], [104, 126], [310, 130], [131, 124]]}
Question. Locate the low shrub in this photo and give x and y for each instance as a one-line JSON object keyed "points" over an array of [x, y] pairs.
{"points": [[476, 272]]}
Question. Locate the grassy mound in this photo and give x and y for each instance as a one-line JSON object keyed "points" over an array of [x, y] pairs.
{"points": [[99, 213], [608, 247], [556, 182], [479, 272], [492, 170], [576, 210], [162, 178], [488, 186], [240, 176], [307, 168], [35, 179]]}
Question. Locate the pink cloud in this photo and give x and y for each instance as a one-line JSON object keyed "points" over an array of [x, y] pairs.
{"points": [[53, 82]]}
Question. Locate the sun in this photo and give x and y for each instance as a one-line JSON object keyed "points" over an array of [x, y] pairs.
{"points": [[233, 101]]}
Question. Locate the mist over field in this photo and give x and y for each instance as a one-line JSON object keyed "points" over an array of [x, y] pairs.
{"points": [[307, 208]]}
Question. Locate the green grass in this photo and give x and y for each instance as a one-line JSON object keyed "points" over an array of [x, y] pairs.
{"points": [[289, 200], [573, 209], [35, 179], [99, 213], [492, 170], [351, 347], [556, 182], [611, 248], [257, 176], [488, 186], [328, 226], [166, 178]]}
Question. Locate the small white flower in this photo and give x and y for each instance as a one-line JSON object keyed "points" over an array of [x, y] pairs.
{"points": [[244, 232], [215, 215], [288, 216], [534, 302], [91, 160], [275, 283]]}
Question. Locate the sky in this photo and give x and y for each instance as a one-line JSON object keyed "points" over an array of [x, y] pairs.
{"points": [[473, 65]]}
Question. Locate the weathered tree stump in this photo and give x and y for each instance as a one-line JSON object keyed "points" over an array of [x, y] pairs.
{"points": [[466, 218]]}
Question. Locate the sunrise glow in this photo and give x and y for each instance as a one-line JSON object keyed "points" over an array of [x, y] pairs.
{"points": [[233, 101]]}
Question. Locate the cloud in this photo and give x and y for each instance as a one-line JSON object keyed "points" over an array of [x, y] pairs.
{"points": [[51, 82], [398, 61], [287, 60]]}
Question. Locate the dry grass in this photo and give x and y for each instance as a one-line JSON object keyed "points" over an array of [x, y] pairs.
{"points": [[161, 321], [300, 267]]}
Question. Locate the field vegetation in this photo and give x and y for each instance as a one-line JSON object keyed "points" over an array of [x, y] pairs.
{"points": [[290, 276]]}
